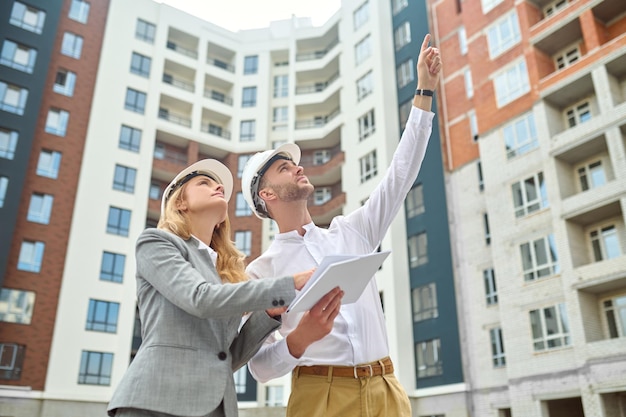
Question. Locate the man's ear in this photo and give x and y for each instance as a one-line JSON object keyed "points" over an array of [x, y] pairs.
{"points": [[267, 194]]}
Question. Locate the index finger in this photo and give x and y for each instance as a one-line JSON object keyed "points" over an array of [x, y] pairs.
{"points": [[426, 41]]}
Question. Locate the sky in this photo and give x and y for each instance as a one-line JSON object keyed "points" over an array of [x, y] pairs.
{"points": [[236, 15]]}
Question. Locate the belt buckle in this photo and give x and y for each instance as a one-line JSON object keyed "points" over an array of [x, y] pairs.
{"points": [[364, 366]]}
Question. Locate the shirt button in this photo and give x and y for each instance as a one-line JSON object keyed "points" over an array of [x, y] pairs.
{"points": [[221, 356]]}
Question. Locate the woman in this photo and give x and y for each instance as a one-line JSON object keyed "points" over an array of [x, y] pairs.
{"points": [[192, 292]]}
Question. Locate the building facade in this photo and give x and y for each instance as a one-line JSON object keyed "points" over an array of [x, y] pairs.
{"points": [[534, 109]]}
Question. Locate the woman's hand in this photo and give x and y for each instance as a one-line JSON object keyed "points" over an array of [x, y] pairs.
{"points": [[301, 278]]}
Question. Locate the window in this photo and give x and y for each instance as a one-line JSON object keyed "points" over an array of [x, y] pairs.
{"points": [[550, 327], [503, 34], [135, 101], [425, 302], [95, 368], [367, 126], [40, 208], [361, 15], [248, 98], [48, 164], [159, 151], [481, 180], [487, 231], [369, 167], [398, 5], [418, 250], [415, 201], [539, 258], [112, 267], [491, 292], [469, 84], [242, 208], [567, 57], [28, 18], [250, 64], [473, 122], [405, 73], [363, 50], [12, 98], [102, 316], [615, 313], [241, 164], [364, 86], [64, 82], [11, 360], [321, 195], [428, 358], [243, 241], [520, 136], [130, 138], [124, 178], [405, 111], [281, 86], [591, 175], [402, 35], [605, 243], [274, 395], [31, 256], [577, 114], [487, 5], [511, 84], [497, 347], [118, 221], [16, 306], [140, 64], [8, 143], [154, 193], [145, 31], [18, 56], [79, 11], [248, 128], [321, 157], [279, 118], [56, 122], [462, 40], [4, 185], [529, 195], [241, 377], [72, 45]]}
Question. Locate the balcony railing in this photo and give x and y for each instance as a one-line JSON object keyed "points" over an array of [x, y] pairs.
{"points": [[217, 96], [215, 130], [220, 64], [182, 50], [308, 56], [316, 122], [176, 82], [179, 119], [317, 87]]}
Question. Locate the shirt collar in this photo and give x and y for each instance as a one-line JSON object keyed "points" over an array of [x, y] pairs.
{"points": [[294, 233], [212, 253]]}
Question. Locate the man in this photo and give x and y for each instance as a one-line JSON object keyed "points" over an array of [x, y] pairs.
{"points": [[338, 354]]}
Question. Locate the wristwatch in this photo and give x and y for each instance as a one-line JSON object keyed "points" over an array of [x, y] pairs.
{"points": [[422, 92]]}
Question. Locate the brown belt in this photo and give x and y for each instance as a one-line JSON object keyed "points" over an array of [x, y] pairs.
{"points": [[382, 367]]}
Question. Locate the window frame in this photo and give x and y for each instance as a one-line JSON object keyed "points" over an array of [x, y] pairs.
{"points": [[428, 366], [424, 302], [72, 45], [8, 58], [34, 251], [54, 165], [522, 191], [117, 264], [9, 139], [534, 271], [542, 337], [40, 208], [368, 166], [95, 323], [103, 376], [118, 221]]}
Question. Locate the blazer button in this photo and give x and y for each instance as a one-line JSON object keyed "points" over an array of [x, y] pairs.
{"points": [[274, 303], [221, 356], [281, 302]]}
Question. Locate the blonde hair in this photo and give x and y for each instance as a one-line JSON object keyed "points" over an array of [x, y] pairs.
{"points": [[230, 261]]}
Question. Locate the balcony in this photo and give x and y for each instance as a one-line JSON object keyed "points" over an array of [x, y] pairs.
{"points": [[182, 43], [220, 57], [317, 121]]}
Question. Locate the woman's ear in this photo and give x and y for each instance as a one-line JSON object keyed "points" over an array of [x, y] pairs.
{"points": [[181, 205]]}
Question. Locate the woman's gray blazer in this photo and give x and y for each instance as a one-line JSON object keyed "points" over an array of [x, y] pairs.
{"points": [[189, 322]]}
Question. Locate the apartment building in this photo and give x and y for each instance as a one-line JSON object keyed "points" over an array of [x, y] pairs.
{"points": [[534, 133], [50, 52], [171, 89]]}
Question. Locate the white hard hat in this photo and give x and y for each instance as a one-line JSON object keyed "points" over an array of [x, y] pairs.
{"points": [[209, 167], [254, 170]]}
